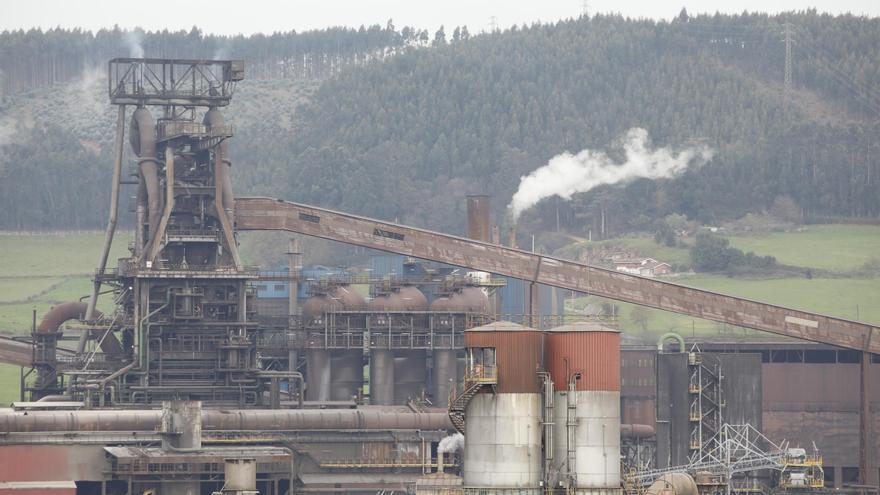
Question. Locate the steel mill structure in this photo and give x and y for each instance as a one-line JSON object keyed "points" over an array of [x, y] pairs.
{"points": [[193, 385]]}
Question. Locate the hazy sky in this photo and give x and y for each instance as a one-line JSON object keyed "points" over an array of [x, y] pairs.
{"points": [[250, 16]]}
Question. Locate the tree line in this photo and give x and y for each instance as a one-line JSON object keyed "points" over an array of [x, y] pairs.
{"points": [[406, 138]]}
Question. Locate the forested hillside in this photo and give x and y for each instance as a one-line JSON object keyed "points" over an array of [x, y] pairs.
{"points": [[405, 138]]}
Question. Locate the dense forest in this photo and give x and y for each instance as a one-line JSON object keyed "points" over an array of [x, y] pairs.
{"points": [[407, 136]]}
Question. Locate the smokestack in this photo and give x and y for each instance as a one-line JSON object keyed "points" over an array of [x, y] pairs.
{"points": [[478, 215], [440, 465], [511, 237], [496, 235]]}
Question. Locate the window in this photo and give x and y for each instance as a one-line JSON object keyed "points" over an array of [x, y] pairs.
{"points": [[849, 475], [280, 287], [849, 357]]}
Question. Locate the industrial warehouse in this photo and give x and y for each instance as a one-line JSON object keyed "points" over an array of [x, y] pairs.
{"points": [[461, 373]]}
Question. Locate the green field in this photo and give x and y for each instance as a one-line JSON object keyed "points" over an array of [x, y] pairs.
{"points": [[841, 248], [842, 297], [39, 271]]}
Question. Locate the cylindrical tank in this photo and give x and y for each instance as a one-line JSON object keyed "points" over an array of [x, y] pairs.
{"points": [[445, 374], [410, 370], [337, 374], [409, 367], [240, 475], [502, 430], [584, 363], [318, 374], [347, 374], [381, 377]]}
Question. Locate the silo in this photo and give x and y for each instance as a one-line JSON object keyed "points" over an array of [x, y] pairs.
{"points": [[410, 365], [347, 375], [584, 363], [502, 429], [331, 374], [381, 354]]}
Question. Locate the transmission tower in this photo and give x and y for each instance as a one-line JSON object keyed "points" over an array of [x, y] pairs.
{"points": [[585, 7], [493, 24]]}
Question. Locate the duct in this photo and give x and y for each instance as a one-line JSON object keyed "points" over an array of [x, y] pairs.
{"points": [[143, 142], [213, 118], [226, 420], [61, 313], [74, 310]]}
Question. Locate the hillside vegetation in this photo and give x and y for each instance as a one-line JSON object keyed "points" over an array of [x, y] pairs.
{"points": [[406, 137]]}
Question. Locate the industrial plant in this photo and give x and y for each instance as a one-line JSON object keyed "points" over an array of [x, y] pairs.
{"points": [[451, 368]]}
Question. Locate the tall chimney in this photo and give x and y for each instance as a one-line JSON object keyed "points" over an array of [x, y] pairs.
{"points": [[496, 235], [478, 214], [511, 237]]}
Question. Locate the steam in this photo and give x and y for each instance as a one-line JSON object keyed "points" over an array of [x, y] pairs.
{"points": [[452, 443], [133, 39], [567, 174]]}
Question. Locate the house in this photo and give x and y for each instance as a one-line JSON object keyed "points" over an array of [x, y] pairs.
{"points": [[646, 267]]}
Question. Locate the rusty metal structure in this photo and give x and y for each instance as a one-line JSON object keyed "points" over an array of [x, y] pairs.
{"points": [[337, 394]]}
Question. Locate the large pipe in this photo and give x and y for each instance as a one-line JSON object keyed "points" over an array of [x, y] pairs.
{"points": [[75, 310], [225, 420], [114, 209], [213, 118], [60, 313], [155, 245], [143, 142]]}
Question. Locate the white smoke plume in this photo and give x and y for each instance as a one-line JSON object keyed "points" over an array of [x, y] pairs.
{"points": [[133, 39], [567, 174], [452, 443]]}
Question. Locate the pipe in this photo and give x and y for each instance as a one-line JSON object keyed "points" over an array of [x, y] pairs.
{"points": [[213, 118], [671, 335], [114, 210], [143, 142], [60, 313], [155, 245], [225, 420]]}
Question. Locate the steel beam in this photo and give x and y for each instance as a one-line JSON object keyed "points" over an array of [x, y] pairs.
{"points": [[274, 214]]}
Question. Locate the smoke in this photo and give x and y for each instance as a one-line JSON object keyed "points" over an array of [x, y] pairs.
{"points": [[133, 39], [222, 49], [567, 174], [452, 443]]}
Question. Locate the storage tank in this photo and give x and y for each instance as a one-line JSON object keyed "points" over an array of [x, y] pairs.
{"points": [[448, 362], [397, 375], [584, 363], [332, 374], [502, 429]]}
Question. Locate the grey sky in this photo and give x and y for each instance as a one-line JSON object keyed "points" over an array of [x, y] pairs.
{"points": [[250, 16]]}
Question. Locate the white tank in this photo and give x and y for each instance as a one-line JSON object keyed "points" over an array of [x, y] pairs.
{"points": [[503, 441], [592, 442]]}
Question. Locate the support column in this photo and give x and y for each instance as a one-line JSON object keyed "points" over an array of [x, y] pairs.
{"points": [[381, 377], [294, 270], [867, 472]]}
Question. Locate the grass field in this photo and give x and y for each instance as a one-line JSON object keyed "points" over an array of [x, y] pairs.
{"points": [[39, 271], [840, 248], [842, 297]]}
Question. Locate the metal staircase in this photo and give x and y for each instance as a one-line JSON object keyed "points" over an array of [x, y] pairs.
{"points": [[474, 382]]}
